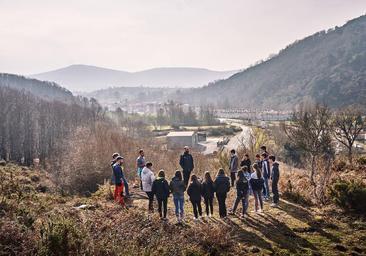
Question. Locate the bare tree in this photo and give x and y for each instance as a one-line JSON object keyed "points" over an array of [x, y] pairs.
{"points": [[311, 131], [348, 125]]}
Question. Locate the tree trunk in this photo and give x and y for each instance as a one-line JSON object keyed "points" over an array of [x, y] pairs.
{"points": [[350, 155]]}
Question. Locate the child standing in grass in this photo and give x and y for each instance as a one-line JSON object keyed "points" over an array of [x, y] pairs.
{"points": [[160, 188], [177, 188], [242, 193], [222, 187], [208, 191], [256, 183], [194, 192]]}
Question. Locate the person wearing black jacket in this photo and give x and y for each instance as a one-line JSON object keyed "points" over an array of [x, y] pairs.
{"points": [[275, 176], [242, 193], [160, 188], [246, 162], [256, 182], [194, 192], [222, 187], [186, 162], [208, 191]]}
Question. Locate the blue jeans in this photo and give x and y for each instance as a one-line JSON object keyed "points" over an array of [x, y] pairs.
{"points": [[126, 185], [179, 205], [245, 202], [266, 187]]}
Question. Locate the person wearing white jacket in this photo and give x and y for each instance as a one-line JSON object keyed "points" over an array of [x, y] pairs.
{"points": [[147, 178]]}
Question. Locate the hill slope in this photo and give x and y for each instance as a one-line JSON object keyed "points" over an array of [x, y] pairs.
{"points": [[89, 78], [36, 220], [44, 90], [327, 67]]}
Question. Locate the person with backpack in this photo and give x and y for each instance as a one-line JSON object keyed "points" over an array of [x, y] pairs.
{"points": [[208, 193], [140, 164], [242, 194], [275, 176], [186, 162], [113, 161], [147, 178], [118, 180], [194, 193], [160, 189], [233, 166], [266, 175], [256, 182], [222, 187], [246, 162], [177, 188]]}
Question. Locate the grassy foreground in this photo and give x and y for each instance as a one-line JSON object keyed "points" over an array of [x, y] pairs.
{"points": [[37, 220]]}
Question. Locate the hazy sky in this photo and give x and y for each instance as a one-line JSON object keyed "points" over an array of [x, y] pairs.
{"points": [[40, 35]]}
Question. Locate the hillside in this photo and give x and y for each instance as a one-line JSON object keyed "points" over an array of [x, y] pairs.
{"points": [[45, 90], [36, 220], [90, 78], [328, 67]]}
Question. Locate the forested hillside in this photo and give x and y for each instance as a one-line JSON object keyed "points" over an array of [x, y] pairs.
{"points": [[45, 90], [32, 127], [328, 67]]}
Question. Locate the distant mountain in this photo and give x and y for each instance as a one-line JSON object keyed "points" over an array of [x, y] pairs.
{"points": [[90, 78], [328, 67], [45, 90]]}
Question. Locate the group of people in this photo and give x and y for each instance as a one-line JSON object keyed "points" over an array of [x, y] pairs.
{"points": [[247, 178]]}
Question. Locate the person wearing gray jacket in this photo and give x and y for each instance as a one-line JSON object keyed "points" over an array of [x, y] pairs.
{"points": [[233, 167], [177, 188]]}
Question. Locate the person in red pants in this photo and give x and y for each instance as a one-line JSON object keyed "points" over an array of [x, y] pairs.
{"points": [[118, 175]]}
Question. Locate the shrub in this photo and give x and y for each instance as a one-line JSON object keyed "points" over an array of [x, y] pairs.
{"points": [[361, 161], [296, 197], [349, 195], [61, 236]]}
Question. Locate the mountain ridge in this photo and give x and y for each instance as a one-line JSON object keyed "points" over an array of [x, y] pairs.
{"points": [[81, 77], [327, 67]]}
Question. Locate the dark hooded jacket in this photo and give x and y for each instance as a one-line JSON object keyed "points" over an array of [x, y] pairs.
{"points": [[194, 191], [177, 187], [275, 175], [208, 189], [186, 162], [160, 188], [222, 185]]}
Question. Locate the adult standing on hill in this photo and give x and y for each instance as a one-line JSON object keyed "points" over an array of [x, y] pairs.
{"points": [[222, 187], [113, 161], [118, 180], [147, 178], [266, 172], [140, 164], [186, 162], [177, 188], [233, 166], [275, 176]]}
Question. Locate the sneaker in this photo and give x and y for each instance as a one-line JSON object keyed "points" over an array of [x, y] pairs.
{"points": [[242, 216], [274, 205], [260, 210], [209, 215], [195, 219], [231, 213]]}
